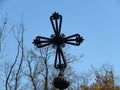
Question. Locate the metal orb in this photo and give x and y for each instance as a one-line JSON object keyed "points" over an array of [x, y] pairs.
{"points": [[61, 82]]}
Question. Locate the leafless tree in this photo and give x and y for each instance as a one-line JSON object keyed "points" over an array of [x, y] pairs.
{"points": [[33, 69], [3, 32], [19, 56], [37, 64], [21, 46]]}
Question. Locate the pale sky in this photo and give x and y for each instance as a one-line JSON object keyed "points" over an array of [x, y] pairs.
{"points": [[98, 21]]}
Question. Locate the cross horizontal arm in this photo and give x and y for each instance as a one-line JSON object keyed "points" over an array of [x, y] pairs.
{"points": [[41, 41], [75, 39]]}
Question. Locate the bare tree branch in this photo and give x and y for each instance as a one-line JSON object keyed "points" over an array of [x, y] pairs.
{"points": [[3, 33], [21, 41], [15, 61]]}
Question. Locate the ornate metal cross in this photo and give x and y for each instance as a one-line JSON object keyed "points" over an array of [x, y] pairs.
{"points": [[58, 41]]}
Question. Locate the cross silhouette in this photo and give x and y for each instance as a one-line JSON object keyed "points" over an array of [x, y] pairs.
{"points": [[58, 40]]}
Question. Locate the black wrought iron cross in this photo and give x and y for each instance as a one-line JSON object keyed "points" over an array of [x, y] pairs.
{"points": [[58, 40]]}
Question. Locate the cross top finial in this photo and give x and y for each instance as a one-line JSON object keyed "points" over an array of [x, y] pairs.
{"points": [[56, 15]]}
